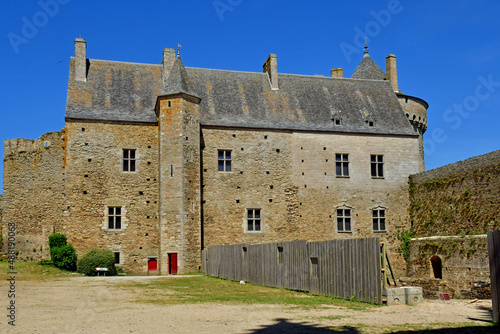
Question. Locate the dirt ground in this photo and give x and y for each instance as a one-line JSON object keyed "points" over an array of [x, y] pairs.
{"points": [[92, 305]]}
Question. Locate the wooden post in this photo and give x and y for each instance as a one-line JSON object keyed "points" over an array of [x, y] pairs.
{"points": [[383, 265], [494, 257]]}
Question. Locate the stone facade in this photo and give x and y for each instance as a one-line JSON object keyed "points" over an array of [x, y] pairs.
{"points": [[95, 180], [158, 161], [292, 177]]}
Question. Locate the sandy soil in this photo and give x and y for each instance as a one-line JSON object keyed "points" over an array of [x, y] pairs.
{"points": [[93, 305]]}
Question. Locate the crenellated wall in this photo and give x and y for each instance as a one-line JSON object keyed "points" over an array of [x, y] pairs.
{"points": [[34, 194]]}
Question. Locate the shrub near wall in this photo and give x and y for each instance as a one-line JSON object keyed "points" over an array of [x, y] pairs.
{"points": [[62, 254], [100, 258]]}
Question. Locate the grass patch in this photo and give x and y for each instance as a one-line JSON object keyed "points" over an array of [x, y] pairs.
{"points": [[30, 271], [205, 289]]}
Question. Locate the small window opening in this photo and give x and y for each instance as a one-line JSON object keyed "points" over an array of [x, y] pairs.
{"points": [[437, 267], [314, 267], [244, 251], [280, 255]]}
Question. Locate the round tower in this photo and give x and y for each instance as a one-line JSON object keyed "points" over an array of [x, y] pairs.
{"points": [[416, 112], [414, 107]]}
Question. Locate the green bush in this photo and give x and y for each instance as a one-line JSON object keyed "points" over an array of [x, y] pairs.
{"points": [[97, 258], [46, 263], [64, 257], [62, 254], [57, 240]]}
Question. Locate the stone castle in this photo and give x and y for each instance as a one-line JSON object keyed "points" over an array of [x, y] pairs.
{"points": [[157, 162]]}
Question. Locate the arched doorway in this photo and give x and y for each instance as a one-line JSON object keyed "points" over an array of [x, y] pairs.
{"points": [[437, 267]]}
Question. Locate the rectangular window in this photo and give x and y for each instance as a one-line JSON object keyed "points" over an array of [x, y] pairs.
{"points": [[253, 220], [128, 160], [342, 164], [224, 160], [379, 220], [117, 257], [377, 165], [114, 217], [344, 220]]}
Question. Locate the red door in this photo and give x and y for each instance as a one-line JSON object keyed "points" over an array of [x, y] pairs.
{"points": [[172, 263], [152, 265]]}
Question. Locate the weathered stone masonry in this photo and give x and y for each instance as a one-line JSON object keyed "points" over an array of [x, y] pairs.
{"points": [[451, 209], [137, 167]]}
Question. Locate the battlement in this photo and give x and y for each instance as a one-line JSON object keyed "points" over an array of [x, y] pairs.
{"points": [[18, 145]]}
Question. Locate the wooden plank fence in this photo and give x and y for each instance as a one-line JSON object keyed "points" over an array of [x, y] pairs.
{"points": [[494, 258], [341, 268]]}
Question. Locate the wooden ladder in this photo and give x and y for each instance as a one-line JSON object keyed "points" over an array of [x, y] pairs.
{"points": [[384, 264]]}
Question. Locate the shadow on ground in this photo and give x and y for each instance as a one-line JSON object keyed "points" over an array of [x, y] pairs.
{"points": [[486, 314], [284, 326]]}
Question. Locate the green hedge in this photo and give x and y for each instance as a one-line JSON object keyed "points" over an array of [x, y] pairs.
{"points": [[62, 254], [64, 257], [97, 258], [57, 240]]}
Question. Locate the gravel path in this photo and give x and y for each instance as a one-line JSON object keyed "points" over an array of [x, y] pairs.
{"points": [[93, 305]]}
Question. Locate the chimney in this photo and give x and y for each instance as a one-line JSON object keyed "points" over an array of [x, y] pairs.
{"points": [[391, 72], [167, 62], [80, 60], [271, 68], [337, 72]]}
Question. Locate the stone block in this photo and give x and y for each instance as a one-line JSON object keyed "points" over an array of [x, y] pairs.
{"points": [[414, 295], [395, 295]]}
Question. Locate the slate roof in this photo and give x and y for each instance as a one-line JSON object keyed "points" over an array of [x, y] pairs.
{"points": [[117, 91], [368, 69]]}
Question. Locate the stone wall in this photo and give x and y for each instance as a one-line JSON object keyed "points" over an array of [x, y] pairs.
{"points": [[455, 204], [33, 195], [291, 177], [457, 199], [96, 180], [463, 261]]}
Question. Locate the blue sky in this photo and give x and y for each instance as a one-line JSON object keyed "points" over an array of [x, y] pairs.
{"points": [[448, 53]]}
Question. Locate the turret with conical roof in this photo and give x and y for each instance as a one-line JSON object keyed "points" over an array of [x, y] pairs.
{"points": [[368, 69], [414, 108]]}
